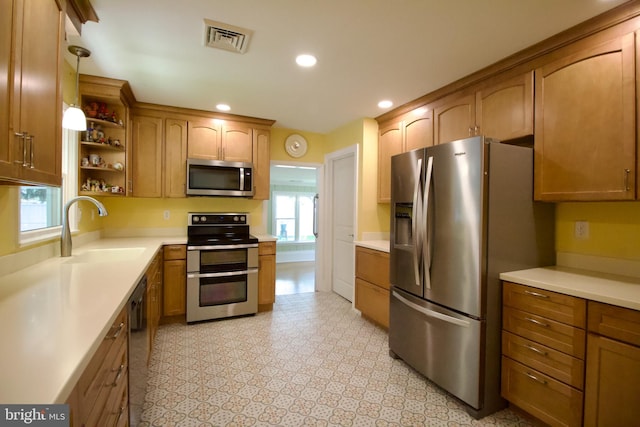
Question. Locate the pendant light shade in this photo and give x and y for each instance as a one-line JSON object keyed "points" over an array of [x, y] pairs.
{"points": [[74, 118]]}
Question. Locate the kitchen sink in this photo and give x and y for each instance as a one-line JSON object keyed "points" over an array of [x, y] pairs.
{"points": [[106, 255]]}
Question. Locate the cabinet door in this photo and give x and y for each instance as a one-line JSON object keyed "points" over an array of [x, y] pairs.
{"points": [[612, 383], [37, 91], [505, 110], [7, 167], [175, 155], [146, 153], [454, 118], [204, 138], [261, 164], [267, 279], [389, 144], [237, 143], [174, 296], [418, 130], [585, 125]]}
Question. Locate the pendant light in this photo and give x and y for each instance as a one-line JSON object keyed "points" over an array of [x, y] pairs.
{"points": [[74, 117]]}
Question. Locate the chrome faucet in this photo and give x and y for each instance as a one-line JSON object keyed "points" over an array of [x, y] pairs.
{"points": [[65, 240]]}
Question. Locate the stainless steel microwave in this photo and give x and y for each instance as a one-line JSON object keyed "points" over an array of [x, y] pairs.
{"points": [[219, 178]]}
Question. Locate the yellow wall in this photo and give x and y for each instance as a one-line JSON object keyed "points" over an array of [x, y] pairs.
{"points": [[315, 146], [138, 213], [614, 229]]}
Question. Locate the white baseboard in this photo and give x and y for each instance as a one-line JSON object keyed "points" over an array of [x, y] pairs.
{"points": [[295, 256]]}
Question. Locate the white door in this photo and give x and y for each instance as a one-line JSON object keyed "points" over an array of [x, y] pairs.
{"points": [[342, 215]]}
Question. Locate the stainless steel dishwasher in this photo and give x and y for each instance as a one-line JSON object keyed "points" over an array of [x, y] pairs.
{"points": [[138, 356]]}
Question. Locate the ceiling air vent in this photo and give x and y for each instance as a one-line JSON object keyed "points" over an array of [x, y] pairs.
{"points": [[225, 36]]}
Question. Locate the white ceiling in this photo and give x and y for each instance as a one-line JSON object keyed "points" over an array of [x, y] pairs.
{"points": [[367, 50]]}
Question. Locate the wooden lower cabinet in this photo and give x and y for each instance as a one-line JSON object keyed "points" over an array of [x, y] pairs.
{"points": [[174, 286], [612, 393], [266, 275], [100, 397], [544, 397], [372, 285], [543, 353]]}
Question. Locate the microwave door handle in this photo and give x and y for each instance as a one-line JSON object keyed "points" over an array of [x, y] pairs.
{"points": [[241, 179]]}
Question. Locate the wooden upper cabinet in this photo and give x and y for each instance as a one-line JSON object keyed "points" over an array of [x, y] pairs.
{"points": [[454, 118], [228, 141], [32, 33], [261, 164], [146, 156], [418, 129], [175, 158], [389, 144], [237, 143], [585, 146], [204, 140], [504, 110]]}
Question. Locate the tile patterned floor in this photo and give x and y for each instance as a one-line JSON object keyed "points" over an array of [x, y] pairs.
{"points": [[311, 362]]}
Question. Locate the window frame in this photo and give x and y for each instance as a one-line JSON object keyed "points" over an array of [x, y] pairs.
{"points": [[274, 218]]}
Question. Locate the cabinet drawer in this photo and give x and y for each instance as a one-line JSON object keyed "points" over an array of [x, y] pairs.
{"points": [[540, 395], [556, 335], [266, 248], [614, 322], [552, 305], [175, 252], [373, 266], [90, 383], [112, 382], [565, 368], [373, 302]]}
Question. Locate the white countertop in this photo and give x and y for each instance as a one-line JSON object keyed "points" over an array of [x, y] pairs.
{"points": [[622, 291], [53, 316], [378, 245]]}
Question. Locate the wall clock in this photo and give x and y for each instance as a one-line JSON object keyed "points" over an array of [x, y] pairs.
{"points": [[295, 145]]}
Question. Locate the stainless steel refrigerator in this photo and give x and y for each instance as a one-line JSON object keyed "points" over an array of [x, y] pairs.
{"points": [[461, 213]]}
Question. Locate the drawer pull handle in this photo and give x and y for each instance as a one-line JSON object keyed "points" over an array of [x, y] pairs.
{"points": [[536, 350], [118, 331], [533, 377], [536, 294], [537, 322], [117, 379]]}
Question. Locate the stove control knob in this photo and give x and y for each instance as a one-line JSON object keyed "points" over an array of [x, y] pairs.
{"points": [[203, 218], [242, 218], [196, 219], [235, 218]]}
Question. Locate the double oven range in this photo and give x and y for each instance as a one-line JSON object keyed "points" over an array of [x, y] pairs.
{"points": [[222, 266]]}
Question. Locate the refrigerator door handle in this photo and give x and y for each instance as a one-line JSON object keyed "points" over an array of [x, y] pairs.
{"points": [[425, 223], [431, 313], [415, 225]]}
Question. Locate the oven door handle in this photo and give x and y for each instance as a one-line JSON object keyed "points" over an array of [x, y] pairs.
{"points": [[216, 247], [223, 274]]}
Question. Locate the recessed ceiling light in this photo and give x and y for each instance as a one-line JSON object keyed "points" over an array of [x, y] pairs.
{"points": [[385, 104], [306, 60], [223, 107]]}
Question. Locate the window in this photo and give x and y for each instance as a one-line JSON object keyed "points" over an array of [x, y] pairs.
{"points": [[293, 216], [41, 207]]}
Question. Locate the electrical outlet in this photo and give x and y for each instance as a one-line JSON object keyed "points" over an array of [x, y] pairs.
{"points": [[166, 215], [581, 230]]}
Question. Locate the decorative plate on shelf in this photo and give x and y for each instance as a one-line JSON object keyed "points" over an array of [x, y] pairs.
{"points": [[295, 145]]}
